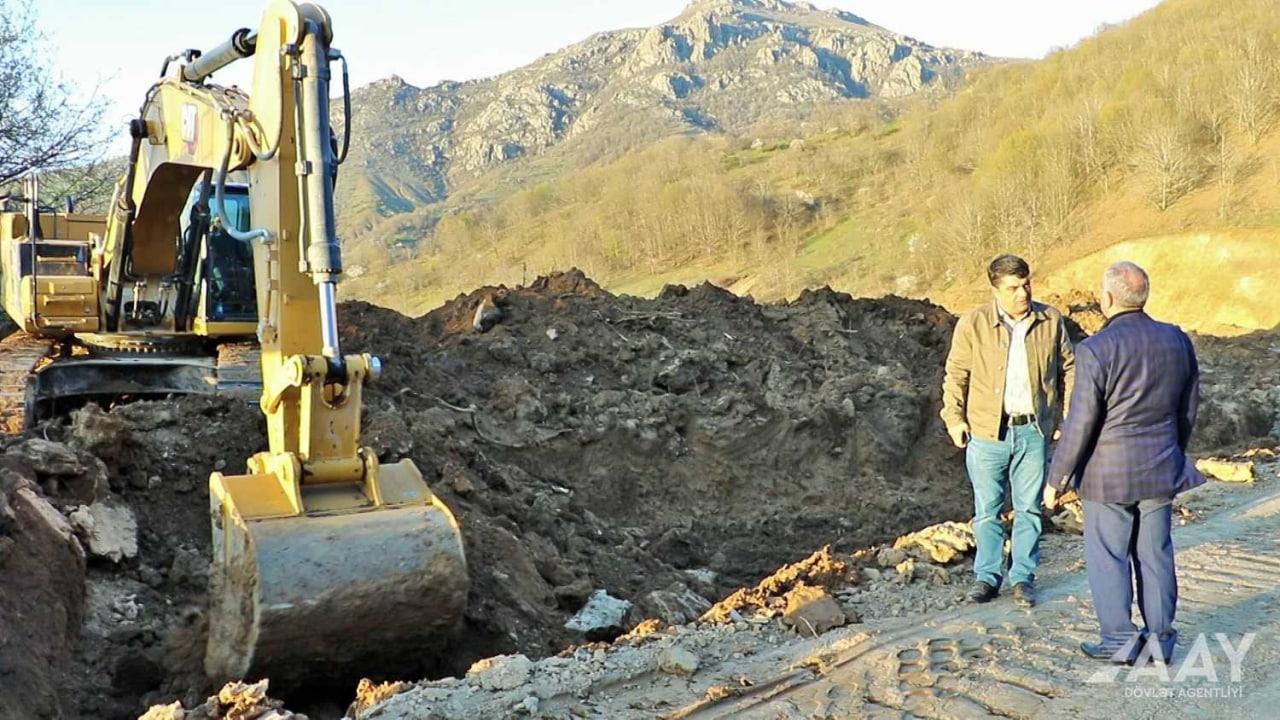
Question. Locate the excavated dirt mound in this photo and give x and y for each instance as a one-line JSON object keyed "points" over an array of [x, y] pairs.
{"points": [[662, 451], [1239, 378], [597, 442]]}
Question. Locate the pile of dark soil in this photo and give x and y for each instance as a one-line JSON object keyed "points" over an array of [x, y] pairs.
{"points": [[588, 441]]}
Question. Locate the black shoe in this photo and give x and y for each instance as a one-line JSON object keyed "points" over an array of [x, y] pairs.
{"points": [[1155, 647], [1097, 652], [983, 592], [1024, 594], [1157, 657]]}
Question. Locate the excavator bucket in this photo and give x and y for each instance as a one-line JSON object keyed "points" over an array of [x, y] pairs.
{"points": [[356, 582]]}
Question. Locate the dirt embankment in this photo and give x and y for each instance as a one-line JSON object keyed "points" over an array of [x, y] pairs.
{"points": [[1239, 378], [43, 594], [665, 451], [597, 442]]}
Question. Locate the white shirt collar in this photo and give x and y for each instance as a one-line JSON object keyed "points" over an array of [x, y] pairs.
{"points": [[1005, 317]]}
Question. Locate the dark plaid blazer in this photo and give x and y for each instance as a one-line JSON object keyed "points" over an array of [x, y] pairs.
{"points": [[1132, 410]]}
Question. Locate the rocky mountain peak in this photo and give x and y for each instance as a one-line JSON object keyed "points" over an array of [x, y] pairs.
{"points": [[721, 65], [730, 5]]}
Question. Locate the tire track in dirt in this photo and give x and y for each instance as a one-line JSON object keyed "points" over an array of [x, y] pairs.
{"points": [[999, 661]]}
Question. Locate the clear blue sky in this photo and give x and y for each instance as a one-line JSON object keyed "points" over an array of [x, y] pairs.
{"points": [[119, 46]]}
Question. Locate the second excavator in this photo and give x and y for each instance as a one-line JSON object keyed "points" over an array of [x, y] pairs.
{"points": [[326, 562]]}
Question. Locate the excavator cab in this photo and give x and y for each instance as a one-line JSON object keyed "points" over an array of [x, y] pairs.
{"points": [[227, 268], [227, 302]]}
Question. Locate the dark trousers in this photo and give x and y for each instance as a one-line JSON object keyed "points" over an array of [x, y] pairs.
{"points": [[1124, 544]]}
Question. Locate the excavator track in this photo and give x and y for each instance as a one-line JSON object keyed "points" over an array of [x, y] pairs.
{"points": [[239, 374], [240, 370], [19, 355]]}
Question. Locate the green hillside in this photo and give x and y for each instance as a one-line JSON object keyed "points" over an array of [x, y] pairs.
{"points": [[1162, 125]]}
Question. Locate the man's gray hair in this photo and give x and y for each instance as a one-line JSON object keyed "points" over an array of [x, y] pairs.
{"points": [[1128, 284]]}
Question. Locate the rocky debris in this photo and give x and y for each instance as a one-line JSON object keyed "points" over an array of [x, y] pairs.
{"points": [[770, 597], [104, 434], [1224, 470], [1081, 311], [589, 441], [153, 542], [108, 530], [1069, 515], [370, 694], [675, 605], [502, 672], [678, 661], [941, 543], [920, 555], [48, 458], [669, 668], [569, 685], [66, 475], [603, 617], [812, 611], [556, 677], [172, 711], [890, 557], [487, 314], [51, 521], [43, 595], [235, 701], [1230, 419]]}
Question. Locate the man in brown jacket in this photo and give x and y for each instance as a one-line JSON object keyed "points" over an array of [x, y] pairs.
{"points": [[1008, 376]]}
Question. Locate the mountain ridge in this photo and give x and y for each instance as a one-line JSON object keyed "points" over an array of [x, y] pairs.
{"points": [[720, 65]]}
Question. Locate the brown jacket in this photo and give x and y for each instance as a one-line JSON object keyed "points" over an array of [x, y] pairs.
{"points": [[973, 388]]}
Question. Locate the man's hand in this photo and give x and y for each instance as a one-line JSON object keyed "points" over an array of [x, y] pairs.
{"points": [[959, 434], [1057, 434], [1050, 497]]}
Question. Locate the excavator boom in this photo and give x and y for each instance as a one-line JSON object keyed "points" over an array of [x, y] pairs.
{"points": [[326, 562]]}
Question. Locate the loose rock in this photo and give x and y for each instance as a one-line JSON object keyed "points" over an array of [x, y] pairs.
{"points": [[604, 616], [678, 661], [811, 611], [109, 531], [503, 672]]}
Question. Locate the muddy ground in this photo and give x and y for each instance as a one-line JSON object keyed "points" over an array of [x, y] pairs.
{"points": [[667, 451]]}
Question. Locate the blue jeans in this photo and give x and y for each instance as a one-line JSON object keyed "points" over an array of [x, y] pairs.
{"points": [[1018, 461]]}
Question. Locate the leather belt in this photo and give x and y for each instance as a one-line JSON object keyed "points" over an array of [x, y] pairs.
{"points": [[1015, 420]]}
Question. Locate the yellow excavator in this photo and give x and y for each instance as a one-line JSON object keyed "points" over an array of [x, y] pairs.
{"points": [[326, 563]]}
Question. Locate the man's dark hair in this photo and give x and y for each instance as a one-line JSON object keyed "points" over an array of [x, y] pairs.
{"points": [[1007, 266]]}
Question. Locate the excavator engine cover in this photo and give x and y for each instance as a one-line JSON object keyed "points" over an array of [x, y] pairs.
{"points": [[346, 588]]}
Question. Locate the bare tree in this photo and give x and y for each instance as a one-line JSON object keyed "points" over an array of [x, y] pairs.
{"points": [[966, 231], [1225, 161], [1250, 90], [1060, 184], [41, 125], [1168, 158]]}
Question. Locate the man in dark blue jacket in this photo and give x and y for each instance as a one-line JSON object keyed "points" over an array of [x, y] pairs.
{"points": [[1124, 448]]}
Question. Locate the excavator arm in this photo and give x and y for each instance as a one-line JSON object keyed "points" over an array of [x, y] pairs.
{"points": [[326, 563]]}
